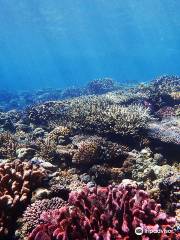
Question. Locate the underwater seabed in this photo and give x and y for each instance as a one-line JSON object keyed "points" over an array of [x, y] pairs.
{"points": [[99, 162]]}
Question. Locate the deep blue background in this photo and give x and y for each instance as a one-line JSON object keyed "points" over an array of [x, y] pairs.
{"points": [[59, 43]]}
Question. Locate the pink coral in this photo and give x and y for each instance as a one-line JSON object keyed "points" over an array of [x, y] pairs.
{"points": [[106, 213]]}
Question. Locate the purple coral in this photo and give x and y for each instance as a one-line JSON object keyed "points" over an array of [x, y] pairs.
{"points": [[107, 213]]}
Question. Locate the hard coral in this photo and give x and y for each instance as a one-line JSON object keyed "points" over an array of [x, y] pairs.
{"points": [[112, 212], [31, 216], [59, 134], [168, 130], [166, 84], [95, 149], [100, 86], [89, 151], [8, 146], [46, 149], [17, 180]]}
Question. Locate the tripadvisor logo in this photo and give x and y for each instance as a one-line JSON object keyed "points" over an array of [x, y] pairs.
{"points": [[139, 231]]}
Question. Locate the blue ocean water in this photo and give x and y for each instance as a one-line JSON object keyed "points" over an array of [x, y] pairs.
{"points": [[62, 43]]}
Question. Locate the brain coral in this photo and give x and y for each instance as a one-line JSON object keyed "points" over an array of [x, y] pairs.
{"points": [[107, 213]]}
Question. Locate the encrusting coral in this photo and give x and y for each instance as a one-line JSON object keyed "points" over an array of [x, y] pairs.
{"points": [[111, 212], [17, 181]]}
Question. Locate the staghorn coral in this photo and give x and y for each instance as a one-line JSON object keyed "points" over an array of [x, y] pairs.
{"points": [[166, 84], [128, 120], [17, 181], [95, 113], [103, 116], [31, 216], [111, 212]]}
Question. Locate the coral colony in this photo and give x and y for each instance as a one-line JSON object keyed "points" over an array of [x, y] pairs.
{"points": [[92, 163]]}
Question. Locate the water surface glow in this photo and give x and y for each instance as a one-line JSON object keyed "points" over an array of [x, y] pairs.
{"points": [[60, 43]]}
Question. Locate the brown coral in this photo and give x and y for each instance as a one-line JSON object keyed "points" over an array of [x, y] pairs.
{"points": [[88, 152], [59, 134], [17, 180], [8, 146]]}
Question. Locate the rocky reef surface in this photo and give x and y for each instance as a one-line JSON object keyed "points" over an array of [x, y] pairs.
{"points": [[91, 163]]}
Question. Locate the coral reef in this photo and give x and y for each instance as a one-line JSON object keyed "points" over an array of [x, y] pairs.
{"points": [[111, 212], [73, 143], [17, 181]]}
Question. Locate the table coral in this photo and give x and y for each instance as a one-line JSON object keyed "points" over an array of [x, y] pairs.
{"points": [[168, 130], [111, 212]]}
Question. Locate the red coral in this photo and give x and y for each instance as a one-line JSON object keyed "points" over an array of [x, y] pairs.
{"points": [[111, 213]]}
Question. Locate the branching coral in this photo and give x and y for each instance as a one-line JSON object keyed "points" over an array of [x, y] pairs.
{"points": [[101, 115], [92, 113], [112, 212], [166, 84], [17, 180], [46, 149], [128, 120]]}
